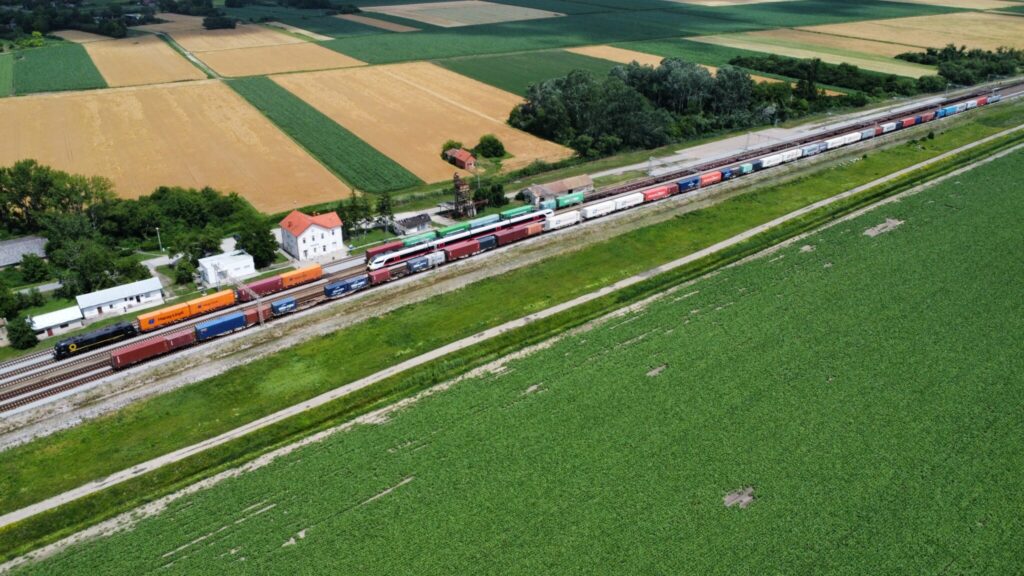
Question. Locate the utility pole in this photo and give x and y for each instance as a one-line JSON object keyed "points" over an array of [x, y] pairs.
{"points": [[244, 288], [158, 241]]}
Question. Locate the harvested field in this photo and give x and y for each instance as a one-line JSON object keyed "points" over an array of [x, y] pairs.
{"points": [[966, 4], [300, 31], [192, 134], [377, 23], [386, 105], [625, 56], [140, 60], [79, 37], [276, 59], [462, 13], [174, 23], [244, 36], [823, 50], [973, 29], [816, 41]]}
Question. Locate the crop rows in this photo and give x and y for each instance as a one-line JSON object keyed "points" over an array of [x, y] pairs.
{"points": [[346, 154], [516, 72], [6, 75], [63, 66], [312, 20], [827, 377]]}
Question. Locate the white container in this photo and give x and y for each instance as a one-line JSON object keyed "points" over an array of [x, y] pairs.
{"points": [[597, 210], [790, 155], [769, 161], [851, 138], [833, 143], [886, 128], [435, 258], [629, 201], [562, 220]]}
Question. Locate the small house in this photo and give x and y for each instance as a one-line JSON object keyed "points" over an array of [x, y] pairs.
{"points": [[414, 225], [56, 322], [540, 192], [119, 299], [225, 269], [461, 158]]}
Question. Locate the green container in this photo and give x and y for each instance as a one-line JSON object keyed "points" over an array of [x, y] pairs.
{"points": [[513, 212], [454, 229], [419, 238], [569, 200], [548, 205], [746, 168]]}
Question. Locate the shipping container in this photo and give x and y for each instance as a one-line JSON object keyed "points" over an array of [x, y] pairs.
{"points": [[687, 184], [549, 204], [982, 101], [908, 122], [419, 239], [629, 201], [534, 228], [790, 155], [453, 229], [253, 315], [461, 250], [709, 178], [284, 306], [158, 346], [347, 286], [758, 165], [867, 134], [812, 149], [260, 288], [729, 173], [569, 200], [506, 237], [372, 253], [564, 220], [994, 98], [417, 265], [488, 242], [746, 168], [971, 104], [211, 303], [381, 276], [961, 107], [302, 276], [833, 143], [888, 127], [181, 339], [598, 210], [658, 193], [220, 326], [484, 221], [163, 317], [878, 130], [513, 212], [769, 161]]}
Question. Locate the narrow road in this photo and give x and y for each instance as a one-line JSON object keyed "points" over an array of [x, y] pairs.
{"points": [[179, 455]]}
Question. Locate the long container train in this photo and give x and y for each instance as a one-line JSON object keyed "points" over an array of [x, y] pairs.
{"points": [[426, 251]]}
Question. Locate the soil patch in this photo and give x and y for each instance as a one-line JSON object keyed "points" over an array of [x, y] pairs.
{"points": [[888, 226], [742, 498]]}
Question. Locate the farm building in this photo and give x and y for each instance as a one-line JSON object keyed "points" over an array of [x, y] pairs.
{"points": [[461, 158], [414, 225], [539, 192], [120, 299], [308, 237], [222, 269], [12, 251], [57, 322]]}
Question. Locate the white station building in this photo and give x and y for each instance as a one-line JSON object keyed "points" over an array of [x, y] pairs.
{"points": [[56, 322], [318, 237], [119, 299]]}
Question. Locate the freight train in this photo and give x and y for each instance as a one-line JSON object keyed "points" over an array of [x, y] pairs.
{"points": [[431, 249]]}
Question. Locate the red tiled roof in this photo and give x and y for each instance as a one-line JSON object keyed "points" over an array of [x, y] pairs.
{"points": [[296, 223], [461, 154]]}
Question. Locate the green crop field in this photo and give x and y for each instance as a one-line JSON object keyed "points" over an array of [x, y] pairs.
{"points": [[516, 72], [6, 75], [689, 50], [315, 21], [62, 66], [867, 387], [357, 162]]}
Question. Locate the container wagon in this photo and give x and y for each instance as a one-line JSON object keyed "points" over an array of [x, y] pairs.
{"points": [[867, 134], [130, 355], [688, 184], [513, 212], [790, 155], [260, 288], [163, 317], [814, 149], [658, 193], [709, 178], [94, 339], [548, 204], [563, 220], [453, 229], [908, 122], [302, 276], [487, 242], [211, 303], [254, 315], [598, 210], [419, 239], [506, 237], [569, 200], [629, 201], [888, 127], [481, 222], [220, 326], [284, 306], [343, 287], [770, 161], [384, 249], [461, 250], [424, 262], [378, 277]]}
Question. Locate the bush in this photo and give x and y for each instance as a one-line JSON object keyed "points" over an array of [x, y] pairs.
{"points": [[34, 268], [218, 23], [184, 271], [448, 145], [490, 147], [20, 334]]}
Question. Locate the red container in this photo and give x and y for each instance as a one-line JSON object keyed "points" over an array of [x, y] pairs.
{"points": [[928, 117], [534, 229], [662, 192], [509, 236], [181, 339], [135, 353], [461, 250], [252, 316], [983, 100], [878, 130], [261, 288], [383, 248], [709, 178], [380, 276], [908, 122]]}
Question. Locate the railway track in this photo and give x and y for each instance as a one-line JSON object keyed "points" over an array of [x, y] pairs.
{"points": [[37, 384]]}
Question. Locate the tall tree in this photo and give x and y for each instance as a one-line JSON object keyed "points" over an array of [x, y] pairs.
{"points": [[34, 268], [20, 334], [385, 208], [256, 239]]}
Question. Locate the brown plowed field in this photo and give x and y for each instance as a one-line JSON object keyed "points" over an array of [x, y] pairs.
{"points": [[407, 111], [973, 29], [141, 60], [188, 134], [276, 59]]}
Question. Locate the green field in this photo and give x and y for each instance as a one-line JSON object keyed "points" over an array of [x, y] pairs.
{"points": [[6, 75], [312, 20], [617, 22], [516, 72], [55, 67], [357, 162], [689, 50], [869, 390]]}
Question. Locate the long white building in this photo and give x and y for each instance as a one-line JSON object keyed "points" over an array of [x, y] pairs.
{"points": [[119, 299]]}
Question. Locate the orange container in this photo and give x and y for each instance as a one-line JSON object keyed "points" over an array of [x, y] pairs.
{"points": [[302, 275], [163, 317], [206, 304]]}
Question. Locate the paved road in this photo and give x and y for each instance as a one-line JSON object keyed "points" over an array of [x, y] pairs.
{"points": [[50, 287], [179, 455]]}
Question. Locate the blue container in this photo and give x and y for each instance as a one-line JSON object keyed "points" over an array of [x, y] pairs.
{"points": [[813, 149], [343, 287], [728, 173], [284, 306], [219, 326], [758, 165], [484, 221], [417, 264], [688, 184], [918, 120], [487, 242], [949, 110]]}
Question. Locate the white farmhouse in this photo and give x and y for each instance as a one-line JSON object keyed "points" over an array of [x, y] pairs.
{"points": [[224, 269], [120, 299], [313, 237]]}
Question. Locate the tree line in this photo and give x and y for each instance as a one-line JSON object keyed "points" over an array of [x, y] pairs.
{"points": [[811, 72], [967, 67], [23, 17]]}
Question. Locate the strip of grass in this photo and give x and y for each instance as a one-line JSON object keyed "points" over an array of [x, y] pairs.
{"points": [[54, 524], [6, 75], [516, 72], [56, 67], [341, 151], [116, 442]]}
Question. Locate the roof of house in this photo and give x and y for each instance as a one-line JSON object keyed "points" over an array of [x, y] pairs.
{"points": [[296, 223], [414, 221], [460, 154], [570, 184], [118, 293], [11, 251], [225, 258], [56, 318]]}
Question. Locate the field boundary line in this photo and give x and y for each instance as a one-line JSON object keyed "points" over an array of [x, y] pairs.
{"points": [[331, 395]]}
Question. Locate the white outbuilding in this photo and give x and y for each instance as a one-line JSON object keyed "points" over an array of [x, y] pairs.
{"points": [[119, 299], [224, 269], [56, 322]]}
